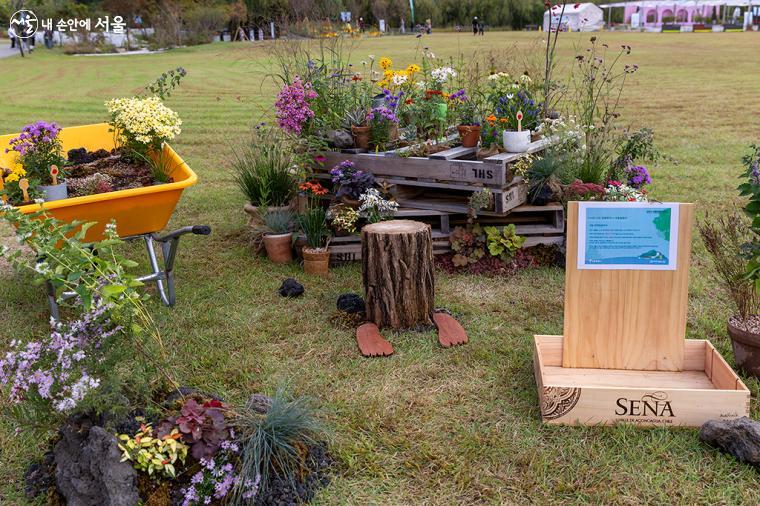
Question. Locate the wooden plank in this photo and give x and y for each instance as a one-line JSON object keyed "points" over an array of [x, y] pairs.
{"points": [[533, 147], [450, 154], [462, 171], [548, 240], [584, 396], [626, 319]]}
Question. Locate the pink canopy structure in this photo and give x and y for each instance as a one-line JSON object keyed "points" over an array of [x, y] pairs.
{"points": [[683, 12]]}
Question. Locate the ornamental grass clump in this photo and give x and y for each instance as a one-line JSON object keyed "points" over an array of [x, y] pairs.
{"points": [[265, 168], [275, 443]]}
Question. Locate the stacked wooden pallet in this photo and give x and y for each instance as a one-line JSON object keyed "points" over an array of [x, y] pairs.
{"points": [[436, 189]]}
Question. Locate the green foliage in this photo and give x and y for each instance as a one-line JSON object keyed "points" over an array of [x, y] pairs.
{"points": [[151, 454], [127, 367], [468, 243], [264, 168], [503, 243], [276, 442], [480, 201], [542, 171], [278, 221], [313, 223], [751, 188], [164, 85]]}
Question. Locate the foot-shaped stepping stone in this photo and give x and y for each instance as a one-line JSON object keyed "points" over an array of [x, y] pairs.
{"points": [[371, 343], [450, 332]]}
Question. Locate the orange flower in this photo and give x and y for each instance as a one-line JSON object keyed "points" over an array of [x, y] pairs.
{"points": [[503, 120], [313, 188]]}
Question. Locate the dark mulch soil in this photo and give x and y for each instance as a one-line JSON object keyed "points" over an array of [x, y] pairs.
{"points": [[280, 492], [124, 174]]}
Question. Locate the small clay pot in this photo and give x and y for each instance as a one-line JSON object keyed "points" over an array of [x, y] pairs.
{"points": [[279, 247], [316, 261], [469, 134], [746, 347], [361, 136]]}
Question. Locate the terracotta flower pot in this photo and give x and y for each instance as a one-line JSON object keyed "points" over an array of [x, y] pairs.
{"points": [[279, 247], [361, 136], [470, 135], [746, 345], [316, 260]]}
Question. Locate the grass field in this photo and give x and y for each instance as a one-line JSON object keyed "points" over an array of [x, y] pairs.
{"points": [[426, 426]]}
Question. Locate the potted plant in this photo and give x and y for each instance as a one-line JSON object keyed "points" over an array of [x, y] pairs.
{"points": [[351, 182], [316, 253], [356, 120], [38, 151], [725, 239], [343, 219], [265, 173], [375, 208], [383, 127], [278, 238], [313, 224], [466, 111]]}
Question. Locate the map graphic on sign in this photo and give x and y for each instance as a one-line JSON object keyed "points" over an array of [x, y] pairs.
{"points": [[639, 236]]}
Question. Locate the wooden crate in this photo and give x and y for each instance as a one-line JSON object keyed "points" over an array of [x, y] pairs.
{"points": [[707, 388], [454, 199], [348, 249]]}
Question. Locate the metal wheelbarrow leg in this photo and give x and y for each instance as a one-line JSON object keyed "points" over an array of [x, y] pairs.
{"points": [[164, 278]]}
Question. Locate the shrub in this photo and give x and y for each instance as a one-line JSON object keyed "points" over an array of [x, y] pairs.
{"points": [[153, 454], [724, 239], [503, 243]]}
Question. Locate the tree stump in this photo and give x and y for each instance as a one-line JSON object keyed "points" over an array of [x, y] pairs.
{"points": [[397, 272]]}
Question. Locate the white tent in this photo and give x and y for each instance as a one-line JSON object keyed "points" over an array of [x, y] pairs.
{"points": [[585, 17]]}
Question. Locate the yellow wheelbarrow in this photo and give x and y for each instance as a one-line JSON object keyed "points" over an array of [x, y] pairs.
{"points": [[139, 213]]}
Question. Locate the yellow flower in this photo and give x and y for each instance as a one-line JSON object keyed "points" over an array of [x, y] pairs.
{"points": [[412, 68], [388, 74], [383, 83], [385, 63]]}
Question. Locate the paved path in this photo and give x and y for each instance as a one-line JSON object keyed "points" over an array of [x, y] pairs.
{"points": [[5, 49]]}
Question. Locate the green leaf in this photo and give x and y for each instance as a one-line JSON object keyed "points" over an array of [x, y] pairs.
{"points": [[110, 291]]}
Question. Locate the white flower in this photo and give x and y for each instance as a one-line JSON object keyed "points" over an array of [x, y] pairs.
{"points": [[443, 74], [372, 57], [399, 79], [39, 201]]}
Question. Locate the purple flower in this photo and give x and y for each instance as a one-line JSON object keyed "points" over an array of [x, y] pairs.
{"points": [[292, 105], [638, 176], [382, 114]]}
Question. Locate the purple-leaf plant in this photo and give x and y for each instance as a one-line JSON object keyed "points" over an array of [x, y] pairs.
{"points": [[202, 426], [352, 183]]}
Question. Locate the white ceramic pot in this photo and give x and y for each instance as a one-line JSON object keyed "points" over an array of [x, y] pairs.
{"points": [[54, 192], [516, 142]]}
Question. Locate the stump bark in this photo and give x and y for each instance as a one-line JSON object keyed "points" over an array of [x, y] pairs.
{"points": [[398, 273]]}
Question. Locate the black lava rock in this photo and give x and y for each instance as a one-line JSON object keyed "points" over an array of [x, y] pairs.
{"points": [[40, 476], [291, 288], [89, 471], [281, 491], [739, 437], [81, 155], [351, 303]]}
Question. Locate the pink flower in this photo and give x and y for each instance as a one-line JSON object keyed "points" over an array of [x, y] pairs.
{"points": [[292, 105]]}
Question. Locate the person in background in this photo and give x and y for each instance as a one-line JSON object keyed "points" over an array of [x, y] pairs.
{"points": [[48, 37], [428, 26], [475, 25], [361, 24], [481, 28], [12, 36]]}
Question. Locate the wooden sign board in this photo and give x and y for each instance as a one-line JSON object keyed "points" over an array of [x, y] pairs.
{"points": [[627, 318]]}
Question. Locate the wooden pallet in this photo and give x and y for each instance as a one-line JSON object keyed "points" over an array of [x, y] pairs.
{"points": [[455, 166], [539, 225], [455, 199]]}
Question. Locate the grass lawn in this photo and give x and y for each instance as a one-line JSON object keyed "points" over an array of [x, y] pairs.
{"points": [[426, 426]]}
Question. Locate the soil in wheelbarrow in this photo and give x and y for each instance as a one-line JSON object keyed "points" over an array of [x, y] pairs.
{"points": [[104, 171]]}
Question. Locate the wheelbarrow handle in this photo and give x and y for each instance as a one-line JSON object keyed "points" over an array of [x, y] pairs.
{"points": [[197, 230], [201, 230]]}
